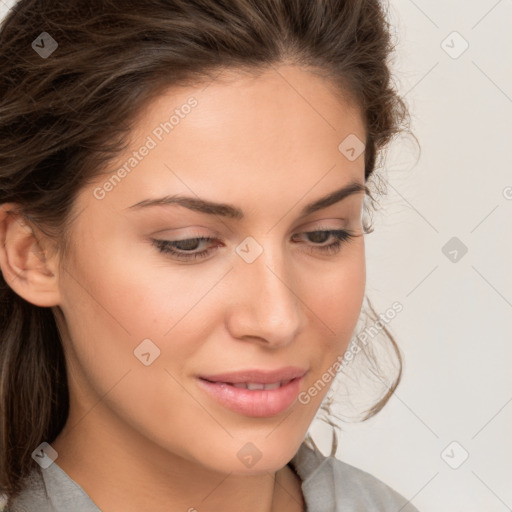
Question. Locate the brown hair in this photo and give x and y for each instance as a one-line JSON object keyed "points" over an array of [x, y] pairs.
{"points": [[65, 115]]}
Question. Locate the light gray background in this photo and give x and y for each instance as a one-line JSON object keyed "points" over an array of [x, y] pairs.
{"points": [[455, 330]]}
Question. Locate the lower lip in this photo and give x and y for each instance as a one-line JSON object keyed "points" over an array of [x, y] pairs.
{"points": [[256, 403]]}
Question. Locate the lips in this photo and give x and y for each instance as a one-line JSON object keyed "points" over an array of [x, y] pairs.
{"points": [[256, 393], [280, 375]]}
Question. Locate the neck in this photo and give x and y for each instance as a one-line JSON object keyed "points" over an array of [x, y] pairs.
{"points": [[147, 477]]}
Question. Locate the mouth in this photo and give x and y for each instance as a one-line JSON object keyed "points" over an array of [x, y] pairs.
{"points": [[257, 376], [253, 386], [255, 393]]}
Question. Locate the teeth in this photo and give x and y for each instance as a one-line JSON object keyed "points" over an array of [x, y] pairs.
{"points": [[256, 385], [274, 385], [253, 385]]}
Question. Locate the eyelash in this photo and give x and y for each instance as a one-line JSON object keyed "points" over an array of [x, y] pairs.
{"points": [[167, 247]]}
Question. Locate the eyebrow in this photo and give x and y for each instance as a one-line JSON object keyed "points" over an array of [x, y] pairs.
{"points": [[230, 211]]}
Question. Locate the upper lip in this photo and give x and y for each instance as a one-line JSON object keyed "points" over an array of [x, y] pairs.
{"points": [[257, 376]]}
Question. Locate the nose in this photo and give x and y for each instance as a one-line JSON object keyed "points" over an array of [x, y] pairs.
{"points": [[265, 304]]}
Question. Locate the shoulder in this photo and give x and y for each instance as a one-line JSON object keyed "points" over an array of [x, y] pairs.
{"points": [[328, 482], [33, 496], [360, 487]]}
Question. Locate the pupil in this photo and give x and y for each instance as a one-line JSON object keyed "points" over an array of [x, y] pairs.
{"points": [[319, 236], [189, 244]]}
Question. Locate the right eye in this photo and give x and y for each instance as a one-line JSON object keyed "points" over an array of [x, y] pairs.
{"points": [[182, 249]]}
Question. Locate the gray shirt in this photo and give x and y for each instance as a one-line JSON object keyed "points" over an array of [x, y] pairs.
{"points": [[328, 485]]}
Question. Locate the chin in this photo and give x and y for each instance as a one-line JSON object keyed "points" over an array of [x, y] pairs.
{"points": [[251, 457]]}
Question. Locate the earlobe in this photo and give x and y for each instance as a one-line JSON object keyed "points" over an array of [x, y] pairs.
{"points": [[25, 265]]}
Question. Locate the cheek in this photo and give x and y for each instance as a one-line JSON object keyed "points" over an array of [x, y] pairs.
{"points": [[336, 296], [110, 318], [110, 309], [118, 294], [129, 287]]}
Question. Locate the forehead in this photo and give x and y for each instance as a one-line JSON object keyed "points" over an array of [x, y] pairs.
{"points": [[263, 102], [271, 136], [276, 106]]}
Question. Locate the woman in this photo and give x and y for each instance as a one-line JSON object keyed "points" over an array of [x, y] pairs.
{"points": [[182, 187]]}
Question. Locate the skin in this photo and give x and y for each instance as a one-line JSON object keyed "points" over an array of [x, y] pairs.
{"points": [[268, 145]]}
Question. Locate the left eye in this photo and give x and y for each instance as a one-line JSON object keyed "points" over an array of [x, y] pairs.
{"points": [[183, 249], [188, 245], [340, 236]]}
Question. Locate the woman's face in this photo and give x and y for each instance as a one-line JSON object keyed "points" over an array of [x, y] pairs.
{"points": [[143, 326]]}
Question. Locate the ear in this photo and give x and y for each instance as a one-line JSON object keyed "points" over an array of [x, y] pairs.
{"points": [[24, 262]]}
